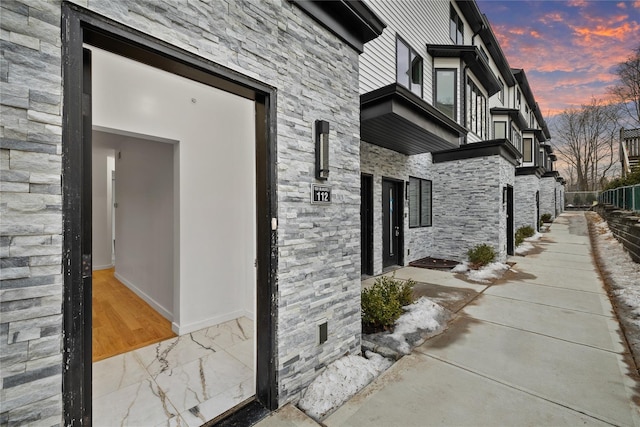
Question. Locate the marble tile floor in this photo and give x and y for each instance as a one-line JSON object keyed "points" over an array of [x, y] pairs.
{"points": [[184, 381]]}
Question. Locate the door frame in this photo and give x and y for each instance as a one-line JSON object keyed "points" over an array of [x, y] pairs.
{"points": [[510, 220], [79, 26], [366, 225], [399, 184]]}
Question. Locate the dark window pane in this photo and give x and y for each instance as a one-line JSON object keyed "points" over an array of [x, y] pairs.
{"points": [[445, 92], [425, 203], [414, 202]]}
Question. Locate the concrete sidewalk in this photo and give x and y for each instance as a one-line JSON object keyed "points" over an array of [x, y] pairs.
{"points": [[543, 349]]}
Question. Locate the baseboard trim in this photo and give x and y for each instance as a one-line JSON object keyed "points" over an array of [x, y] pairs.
{"points": [[153, 303]]}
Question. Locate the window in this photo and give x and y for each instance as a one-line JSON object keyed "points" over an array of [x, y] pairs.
{"points": [[528, 150], [419, 202], [476, 110], [501, 93], [408, 67], [446, 92], [456, 27], [518, 98], [517, 139], [500, 130]]}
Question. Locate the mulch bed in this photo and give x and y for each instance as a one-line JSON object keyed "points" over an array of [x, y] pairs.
{"points": [[434, 263]]}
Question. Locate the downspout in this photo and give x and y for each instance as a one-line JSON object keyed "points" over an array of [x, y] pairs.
{"points": [[463, 90]]}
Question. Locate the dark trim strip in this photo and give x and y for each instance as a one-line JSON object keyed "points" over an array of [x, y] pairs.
{"points": [[352, 21], [530, 170], [496, 147]]}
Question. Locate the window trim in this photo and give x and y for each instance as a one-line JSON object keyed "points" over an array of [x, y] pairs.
{"points": [[420, 181], [455, 91], [414, 52], [454, 18], [477, 101]]}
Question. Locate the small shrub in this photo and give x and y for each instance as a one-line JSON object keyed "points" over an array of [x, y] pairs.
{"points": [[524, 232], [545, 217], [577, 199], [590, 198], [382, 303], [481, 255]]}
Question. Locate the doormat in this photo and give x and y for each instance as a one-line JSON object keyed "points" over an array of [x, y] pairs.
{"points": [[434, 263]]}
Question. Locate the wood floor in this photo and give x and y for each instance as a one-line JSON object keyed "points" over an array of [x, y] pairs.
{"points": [[122, 321]]}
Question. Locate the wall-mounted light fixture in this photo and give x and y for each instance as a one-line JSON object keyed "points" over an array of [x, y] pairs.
{"points": [[322, 149]]}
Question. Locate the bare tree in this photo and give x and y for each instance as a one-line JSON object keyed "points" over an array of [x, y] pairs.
{"points": [[627, 90], [586, 138]]}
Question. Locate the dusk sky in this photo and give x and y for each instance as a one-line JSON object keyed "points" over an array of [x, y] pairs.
{"points": [[568, 49]]}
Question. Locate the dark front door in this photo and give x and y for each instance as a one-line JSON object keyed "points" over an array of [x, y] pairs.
{"points": [[391, 223], [510, 234], [366, 223]]}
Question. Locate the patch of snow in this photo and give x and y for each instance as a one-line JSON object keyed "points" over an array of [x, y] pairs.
{"points": [[622, 271], [339, 381], [423, 315], [463, 267], [487, 273], [524, 248], [534, 238]]}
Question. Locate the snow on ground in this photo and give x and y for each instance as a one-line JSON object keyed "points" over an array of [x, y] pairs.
{"points": [[623, 273], [424, 317], [339, 381], [485, 274], [526, 246]]}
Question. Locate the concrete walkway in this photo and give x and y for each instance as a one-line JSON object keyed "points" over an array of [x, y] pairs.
{"points": [[541, 349]]}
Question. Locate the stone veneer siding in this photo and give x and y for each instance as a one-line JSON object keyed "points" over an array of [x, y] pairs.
{"points": [[316, 76], [525, 201], [548, 194], [381, 162], [467, 206]]}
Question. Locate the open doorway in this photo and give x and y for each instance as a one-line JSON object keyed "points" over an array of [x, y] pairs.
{"points": [[223, 179]]}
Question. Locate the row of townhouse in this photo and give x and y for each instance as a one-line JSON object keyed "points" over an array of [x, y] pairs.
{"points": [[266, 155], [455, 151]]}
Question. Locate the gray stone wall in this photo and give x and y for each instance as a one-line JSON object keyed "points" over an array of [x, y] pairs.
{"points": [[316, 76], [467, 205], [381, 162], [31, 225], [559, 198], [548, 194], [525, 201]]}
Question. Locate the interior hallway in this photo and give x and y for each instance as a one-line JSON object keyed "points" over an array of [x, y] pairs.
{"points": [[122, 321]]}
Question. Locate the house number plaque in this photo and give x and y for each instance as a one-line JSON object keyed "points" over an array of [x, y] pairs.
{"points": [[320, 194]]}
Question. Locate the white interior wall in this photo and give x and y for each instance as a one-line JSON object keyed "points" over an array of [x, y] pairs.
{"points": [[101, 246], [144, 220], [216, 235]]}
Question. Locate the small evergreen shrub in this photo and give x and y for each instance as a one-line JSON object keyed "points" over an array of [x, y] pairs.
{"points": [[590, 198], [545, 217], [382, 303], [577, 199], [524, 232], [481, 255]]}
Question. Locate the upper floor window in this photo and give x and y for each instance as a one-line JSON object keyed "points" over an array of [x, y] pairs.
{"points": [[408, 67], [500, 130], [501, 93], [419, 202], [516, 139], [518, 98], [445, 93], [456, 27], [476, 119], [528, 150]]}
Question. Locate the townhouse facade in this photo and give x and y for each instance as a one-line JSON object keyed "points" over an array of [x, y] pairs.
{"points": [[453, 145], [240, 99], [309, 143]]}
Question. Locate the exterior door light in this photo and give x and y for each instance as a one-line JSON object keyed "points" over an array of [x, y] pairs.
{"points": [[322, 149]]}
